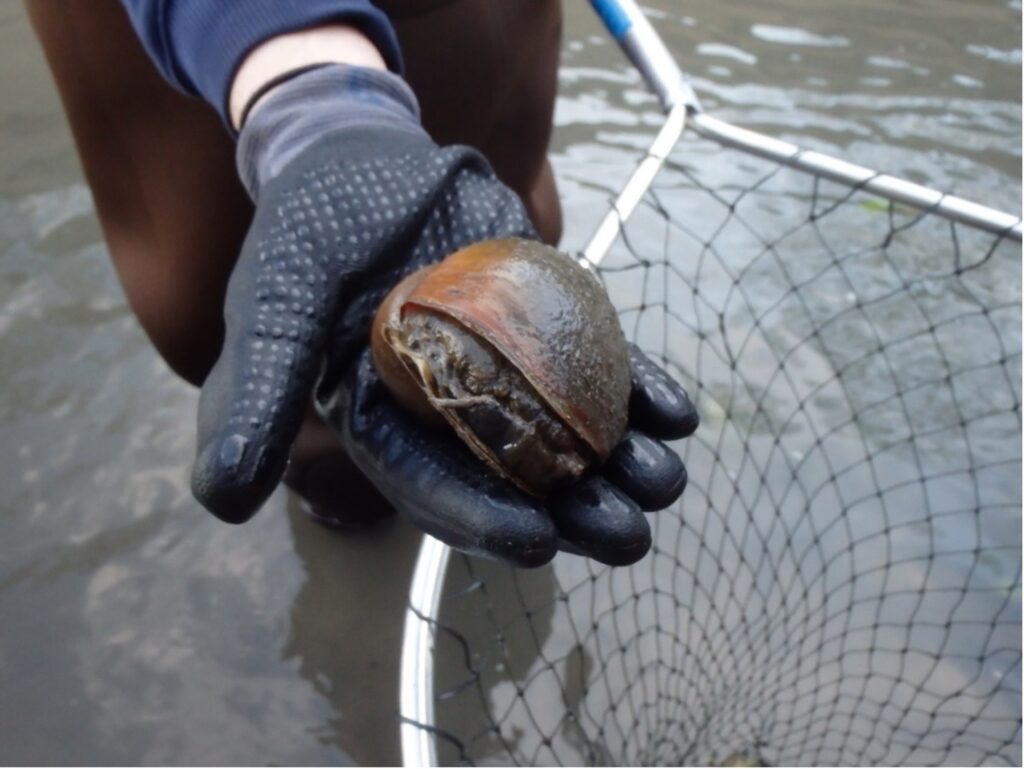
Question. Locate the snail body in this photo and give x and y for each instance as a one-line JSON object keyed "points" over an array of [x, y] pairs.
{"points": [[516, 347]]}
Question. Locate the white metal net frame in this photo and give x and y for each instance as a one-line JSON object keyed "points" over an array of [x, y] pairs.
{"points": [[802, 604]]}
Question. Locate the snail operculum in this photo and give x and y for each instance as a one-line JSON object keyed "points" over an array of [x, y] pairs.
{"points": [[468, 340], [489, 403]]}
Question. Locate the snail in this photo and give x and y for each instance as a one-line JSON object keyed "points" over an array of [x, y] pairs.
{"points": [[518, 348]]}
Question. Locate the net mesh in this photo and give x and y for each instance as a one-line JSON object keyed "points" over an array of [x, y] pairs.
{"points": [[841, 581]]}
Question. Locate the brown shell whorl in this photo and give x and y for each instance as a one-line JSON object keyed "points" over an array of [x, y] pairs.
{"points": [[393, 373], [553, 321], [540, 313]]}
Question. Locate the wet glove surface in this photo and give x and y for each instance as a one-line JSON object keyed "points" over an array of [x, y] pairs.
{"points": [[434, 479], [334, 230], [332, 233]]}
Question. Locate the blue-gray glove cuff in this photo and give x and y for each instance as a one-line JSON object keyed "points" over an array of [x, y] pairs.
{"points": [[324, 100]]}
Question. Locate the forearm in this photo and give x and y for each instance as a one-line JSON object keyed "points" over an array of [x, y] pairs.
{"points": [[201, 46]]}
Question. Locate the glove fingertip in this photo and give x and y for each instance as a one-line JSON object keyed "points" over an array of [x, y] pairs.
{"points": [[626, 549], [648, 471], [659, 405], [601, 523], [232, 481], [478, 515], [530, 554]]}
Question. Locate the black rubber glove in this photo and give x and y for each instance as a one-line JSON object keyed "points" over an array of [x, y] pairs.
{"points": [[335, 228], [435, 480]]}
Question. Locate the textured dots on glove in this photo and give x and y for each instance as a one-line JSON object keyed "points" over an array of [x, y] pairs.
{"points": [[334, 220]]}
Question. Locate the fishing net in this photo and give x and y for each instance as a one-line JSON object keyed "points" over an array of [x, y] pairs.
{"points": [[841, 581]]}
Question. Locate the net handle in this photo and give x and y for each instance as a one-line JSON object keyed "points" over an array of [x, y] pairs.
{"points": [[646, 50], [648, 53], [890, 187]]}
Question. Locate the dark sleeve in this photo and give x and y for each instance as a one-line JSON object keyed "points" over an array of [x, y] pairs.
{"points": [[199, 44]]}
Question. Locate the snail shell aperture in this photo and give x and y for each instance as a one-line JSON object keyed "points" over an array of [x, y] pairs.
{"points": [[519, 349]]}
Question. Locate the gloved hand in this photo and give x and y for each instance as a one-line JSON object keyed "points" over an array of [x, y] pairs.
{"points": [[435, 480], [351, 196]]}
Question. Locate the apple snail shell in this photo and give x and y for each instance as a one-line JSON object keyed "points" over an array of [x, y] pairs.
{"points": [[519, 349]]}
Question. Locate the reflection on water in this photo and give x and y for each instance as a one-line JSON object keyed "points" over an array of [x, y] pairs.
{"points": [[342, 633], [138, 629], [503, 619]]}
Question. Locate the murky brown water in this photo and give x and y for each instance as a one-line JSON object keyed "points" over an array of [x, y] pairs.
{"points": [[137, 629]]}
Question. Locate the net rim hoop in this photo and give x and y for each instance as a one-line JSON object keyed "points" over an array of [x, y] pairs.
{"points": [[416, 679]]}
